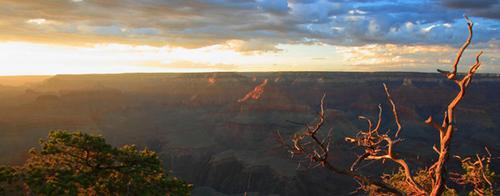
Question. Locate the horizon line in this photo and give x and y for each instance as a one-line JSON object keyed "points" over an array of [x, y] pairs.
{"points": [[208, 72]]}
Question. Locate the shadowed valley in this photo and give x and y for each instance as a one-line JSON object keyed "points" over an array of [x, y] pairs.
{"points": [[210, 133]]}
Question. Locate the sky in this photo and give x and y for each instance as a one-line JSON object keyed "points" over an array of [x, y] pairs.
{"points": [[46, 37]]}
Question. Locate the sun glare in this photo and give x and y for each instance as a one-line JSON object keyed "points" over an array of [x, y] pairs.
{"points": [[22, 58], [26, 58]]}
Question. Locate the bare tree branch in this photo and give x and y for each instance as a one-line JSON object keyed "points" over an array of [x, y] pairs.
{"points": [[394, 111], [377, 146], [380, 146], [310, 146], [448, 127], [453, 74]]}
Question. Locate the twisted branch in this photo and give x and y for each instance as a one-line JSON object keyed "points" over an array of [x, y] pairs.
{"points": [[375, 144], [378, 146], [453, 74], [394, 111], [447, 128], [310, 147]]}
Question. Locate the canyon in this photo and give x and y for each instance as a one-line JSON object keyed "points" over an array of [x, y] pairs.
{"points": [[218, 130]]}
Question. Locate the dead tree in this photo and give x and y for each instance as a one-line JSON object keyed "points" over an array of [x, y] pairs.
{"points": [[446, 128], [379, 145], [310, 148]]}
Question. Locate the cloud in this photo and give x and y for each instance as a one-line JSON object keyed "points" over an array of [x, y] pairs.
{"points": [[427, 58], [37, 21], [252, 46], [470, 4], [304, 1], [274, 6], [260, 25], [483, 8]]}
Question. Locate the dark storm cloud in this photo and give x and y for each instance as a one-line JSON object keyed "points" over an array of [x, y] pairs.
{"points": [[304, 1], [469, 3], [483, 8], [198, 23]]}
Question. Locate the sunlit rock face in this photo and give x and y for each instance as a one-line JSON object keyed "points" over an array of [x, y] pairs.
{"points": [[210, 135]]}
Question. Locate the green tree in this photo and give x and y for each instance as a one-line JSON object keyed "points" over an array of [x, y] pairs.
{"points": [[74, 163]]}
